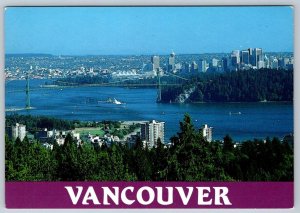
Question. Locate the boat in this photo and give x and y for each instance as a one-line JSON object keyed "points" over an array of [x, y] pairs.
{"points": [[48, 86], [115, 101], [235, 113], [112, 101]]}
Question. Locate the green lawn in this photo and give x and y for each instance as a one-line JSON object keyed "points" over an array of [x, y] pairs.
{"points": [[92, 131]]}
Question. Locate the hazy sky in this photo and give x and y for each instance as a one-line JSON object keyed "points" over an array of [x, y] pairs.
{"points": [[146, 30]]}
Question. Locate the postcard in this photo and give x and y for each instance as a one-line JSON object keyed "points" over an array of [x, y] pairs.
{"points": [[149, 107]]}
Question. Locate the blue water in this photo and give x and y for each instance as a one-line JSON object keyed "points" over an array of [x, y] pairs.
{"points": [[257, 120]]}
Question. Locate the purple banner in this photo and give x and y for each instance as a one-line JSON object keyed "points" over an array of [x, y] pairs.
{"points": [[149, 194]]}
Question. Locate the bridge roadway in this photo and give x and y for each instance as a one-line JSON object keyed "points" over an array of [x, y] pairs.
{"points": [[49, 87]]}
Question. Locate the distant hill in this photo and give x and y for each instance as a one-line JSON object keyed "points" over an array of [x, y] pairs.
{"points": [[28, 55]]}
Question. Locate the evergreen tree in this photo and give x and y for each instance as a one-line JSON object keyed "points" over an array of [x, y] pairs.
{"points": [[142, 161]]}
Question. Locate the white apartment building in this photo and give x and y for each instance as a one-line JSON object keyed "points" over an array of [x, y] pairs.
{"points": [[207, 132], [19, 130], [151, 131]]}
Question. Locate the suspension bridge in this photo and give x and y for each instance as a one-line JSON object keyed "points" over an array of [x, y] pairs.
{"points": [[120, 83]]}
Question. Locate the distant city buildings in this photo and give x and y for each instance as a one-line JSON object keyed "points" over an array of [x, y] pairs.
{"points": [[155, 62], [171, 62], [257, 57], [151, 131], [274, 64], [141, 66], [202, 65], [245, 59], [253, 58], [215, 62], [235, 60], [194, 67], [224, 64]]}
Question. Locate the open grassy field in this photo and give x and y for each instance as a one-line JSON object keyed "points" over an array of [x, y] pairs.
{"points": [[90, 130]]}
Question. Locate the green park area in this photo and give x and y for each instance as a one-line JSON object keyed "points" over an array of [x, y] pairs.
{"points": [[90, 130]]}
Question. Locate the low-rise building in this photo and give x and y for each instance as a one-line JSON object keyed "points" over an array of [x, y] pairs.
{"points": [[47, 136]]}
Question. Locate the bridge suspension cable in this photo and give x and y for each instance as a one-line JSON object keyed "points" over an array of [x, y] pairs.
{"points": [[158, 73], [177, 76]]}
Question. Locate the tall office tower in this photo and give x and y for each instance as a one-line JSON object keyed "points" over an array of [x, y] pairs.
{"points": [[171, 62], [274, 64], [267, 62], [194, 67], [235, 60], [215, 62], [207, 132], [151, 131], [155, 62], [257, 55], [286, 61], [251, 58], [202, 65], [236, 53], [224, 64], [245, 57], [19, 130]]}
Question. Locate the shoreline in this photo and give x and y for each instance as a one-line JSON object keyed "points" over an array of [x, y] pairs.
{"points": [[229, 102]]}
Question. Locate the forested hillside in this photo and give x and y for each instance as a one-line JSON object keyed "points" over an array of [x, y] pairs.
{"points": [[240, 86]]}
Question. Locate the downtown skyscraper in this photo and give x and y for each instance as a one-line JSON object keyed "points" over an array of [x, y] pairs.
{"points": [[171, 62], [155, 62]]}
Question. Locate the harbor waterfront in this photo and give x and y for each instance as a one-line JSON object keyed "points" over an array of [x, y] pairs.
{"points": [[112, 107], [242, 121]]}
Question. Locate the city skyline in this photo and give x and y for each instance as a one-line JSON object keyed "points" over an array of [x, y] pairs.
{"points": [[146, 54], [147, 30]]}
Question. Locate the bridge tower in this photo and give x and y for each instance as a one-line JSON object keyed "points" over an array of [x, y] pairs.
{"points": [[158, 86], [27, 92]]}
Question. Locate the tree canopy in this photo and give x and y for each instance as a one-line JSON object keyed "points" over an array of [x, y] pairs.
{"points": [[189, 158], [240, 86]]}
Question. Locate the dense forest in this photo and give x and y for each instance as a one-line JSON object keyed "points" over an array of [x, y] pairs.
{"points": [[105, 80], [240, 86], [79, 80], [34, 123], [190, 158]]}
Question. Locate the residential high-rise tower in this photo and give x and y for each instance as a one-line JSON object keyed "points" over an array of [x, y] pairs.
{"points": [[151, 131]]}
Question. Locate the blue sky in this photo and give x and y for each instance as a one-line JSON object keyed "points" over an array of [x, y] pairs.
{"points": [[146, 30]]}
